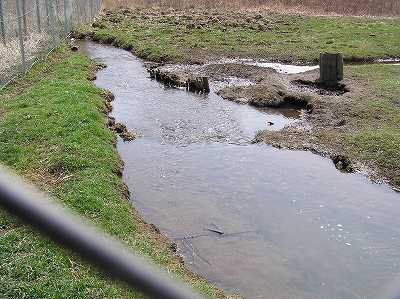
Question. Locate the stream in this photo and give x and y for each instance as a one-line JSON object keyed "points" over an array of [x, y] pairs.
{"points": [[254, 220]]}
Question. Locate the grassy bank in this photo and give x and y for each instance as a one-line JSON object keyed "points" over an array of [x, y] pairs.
{"points": [[199, 35], [53, 132], [372, 116], [376, 139]]}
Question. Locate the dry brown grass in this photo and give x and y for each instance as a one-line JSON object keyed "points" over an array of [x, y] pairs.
{"points": [[341, 7]]}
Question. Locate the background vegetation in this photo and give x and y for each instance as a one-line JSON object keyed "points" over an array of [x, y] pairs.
{"points": [[345, 7]]}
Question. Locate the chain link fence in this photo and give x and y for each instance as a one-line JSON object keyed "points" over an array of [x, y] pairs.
{"points": [[30, 29]]}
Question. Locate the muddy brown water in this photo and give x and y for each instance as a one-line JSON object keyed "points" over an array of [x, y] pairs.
{"points": [[293, 226]]}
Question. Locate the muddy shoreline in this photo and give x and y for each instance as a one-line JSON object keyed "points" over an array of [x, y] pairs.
{"points": [[323, 108]]}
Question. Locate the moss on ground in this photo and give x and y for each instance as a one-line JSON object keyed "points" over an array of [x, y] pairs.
{"points": [[53, 132]]}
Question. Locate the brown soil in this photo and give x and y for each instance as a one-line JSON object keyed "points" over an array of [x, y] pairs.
{"points": [[108, 96], [123, 132], [267, 94], [182, 78]]}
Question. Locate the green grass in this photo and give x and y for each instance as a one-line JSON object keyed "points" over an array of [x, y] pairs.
{"points": [[53, 132], [377, 117], [287, 37]]}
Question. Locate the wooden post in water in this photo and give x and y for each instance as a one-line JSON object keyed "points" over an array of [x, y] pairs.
{"points": [[331, 69]]}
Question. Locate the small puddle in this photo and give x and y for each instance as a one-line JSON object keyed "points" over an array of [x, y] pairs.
{"points": [[262, 222], [279, 67]]}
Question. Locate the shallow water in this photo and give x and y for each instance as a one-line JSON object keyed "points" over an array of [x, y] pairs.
{"points": [[294, 227]]}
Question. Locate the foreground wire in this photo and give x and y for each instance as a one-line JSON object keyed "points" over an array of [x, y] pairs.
{"points": [[84, 239]]}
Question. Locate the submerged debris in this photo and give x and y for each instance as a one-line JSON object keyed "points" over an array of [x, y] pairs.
{"points": [[215, 231]]}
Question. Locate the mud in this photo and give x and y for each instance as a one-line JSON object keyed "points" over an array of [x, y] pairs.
{"points": [[263, 95], [123, 132], [320, 88], [266, 88], [343, 163], [180, 79], [108, 95]]}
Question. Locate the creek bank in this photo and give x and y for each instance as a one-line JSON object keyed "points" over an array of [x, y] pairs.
{"points": [[330, 112], [179, 172], [152, 231], [72, 156], [336, 118]]}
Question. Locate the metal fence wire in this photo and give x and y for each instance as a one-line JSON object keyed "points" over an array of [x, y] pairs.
{"points": [[77, 235], [29, 29]]}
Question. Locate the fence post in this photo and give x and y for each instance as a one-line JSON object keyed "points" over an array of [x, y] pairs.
{"points": [[2, 24], [38, 16], [331, 69], [24, 18], [46, 4], [21, 39], [91, 10], [52, 21], [65, 18], [77, 13]]}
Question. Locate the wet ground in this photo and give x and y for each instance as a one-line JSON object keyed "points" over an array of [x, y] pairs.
{"points": [[262, 222]]}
